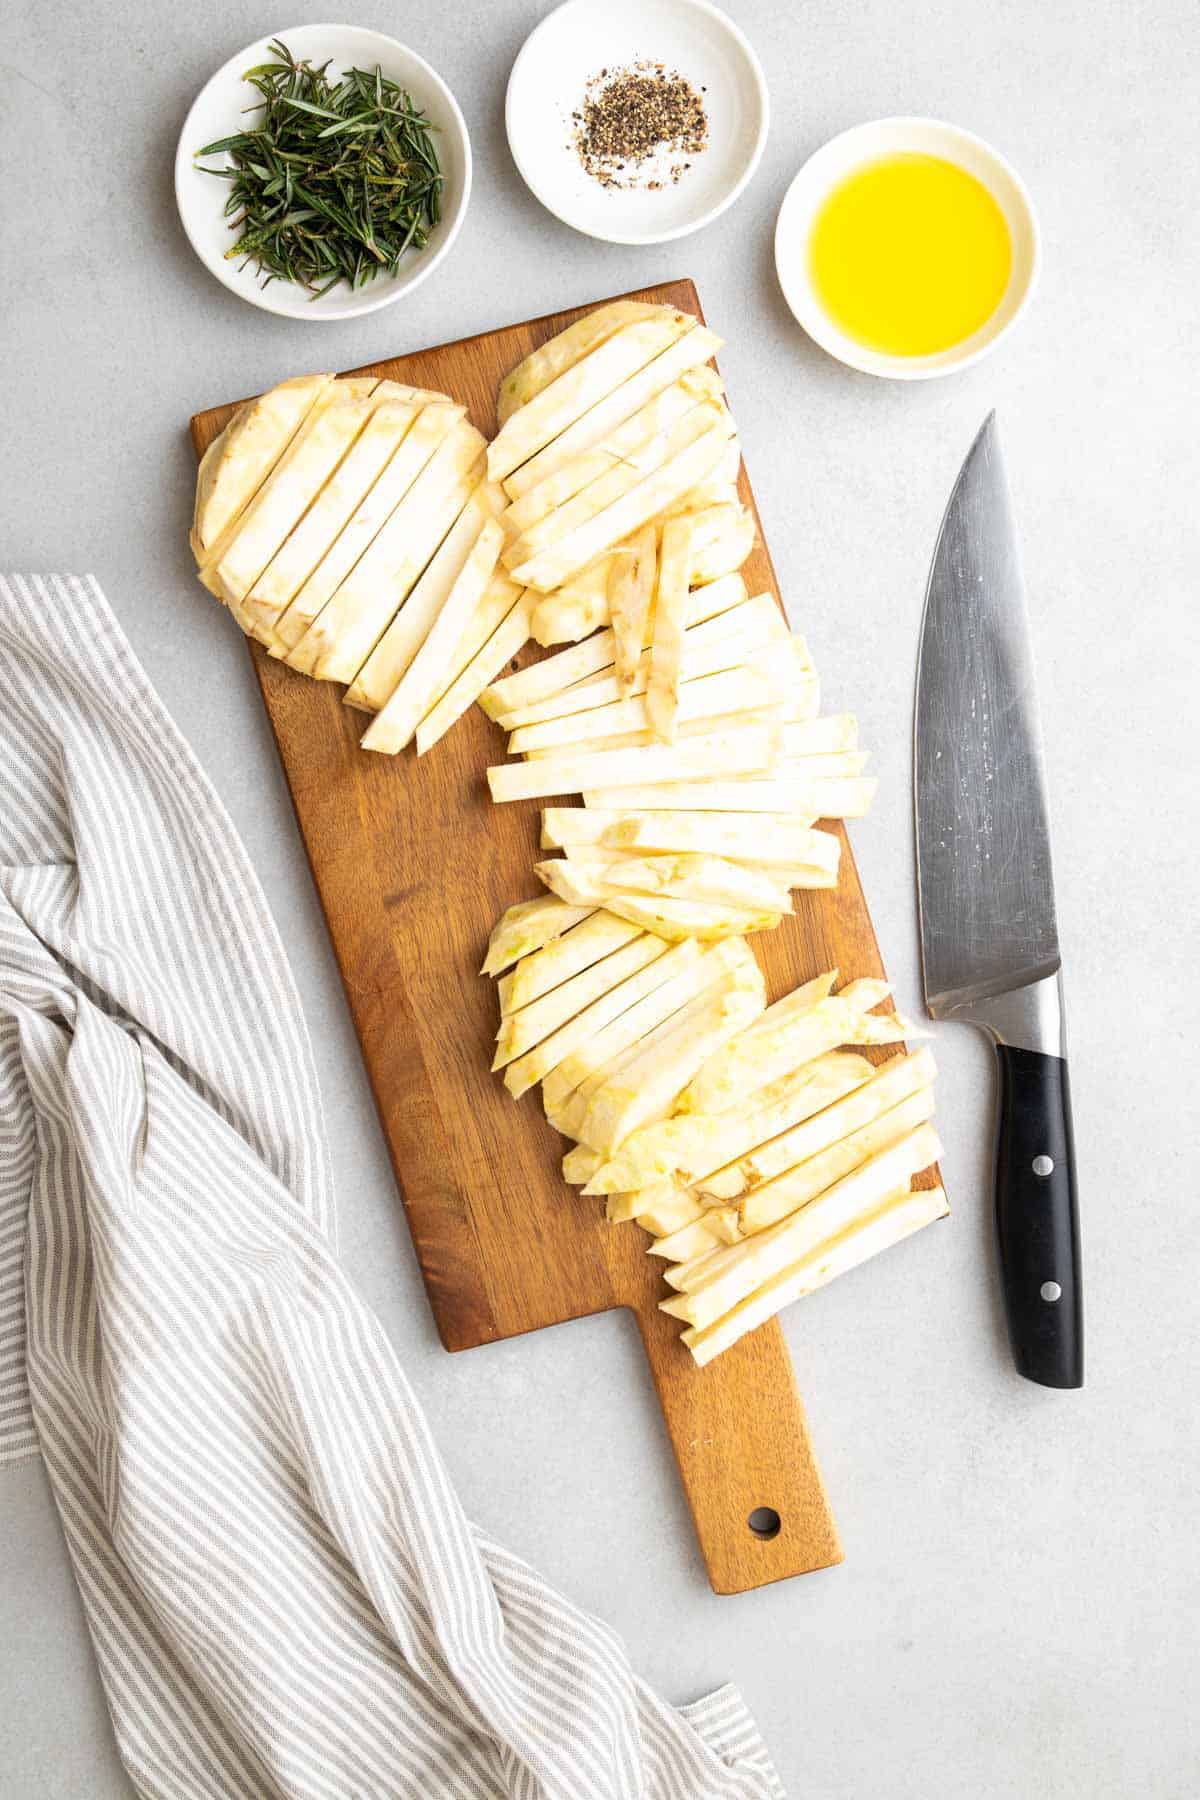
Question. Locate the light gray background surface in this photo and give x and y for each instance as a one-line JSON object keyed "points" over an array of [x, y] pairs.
{"points": [[1017, 1612]]}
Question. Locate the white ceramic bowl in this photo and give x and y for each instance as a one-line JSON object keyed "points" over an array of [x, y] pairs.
{"points": [[864, 143], [217, 112], [576, 42]]}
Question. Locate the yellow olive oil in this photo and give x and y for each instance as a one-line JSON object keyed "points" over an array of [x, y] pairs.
{"points": [[910, 254]]}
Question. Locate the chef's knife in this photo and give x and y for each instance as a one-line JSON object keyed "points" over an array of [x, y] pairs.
{"points": [[989, 936]]}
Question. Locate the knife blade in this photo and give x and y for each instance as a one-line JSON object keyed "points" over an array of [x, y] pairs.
{"points": [[985, 888]]}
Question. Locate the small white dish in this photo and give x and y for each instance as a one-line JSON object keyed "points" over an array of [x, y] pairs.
{"points": [[218, 111], [863, 144], [581, 38]]}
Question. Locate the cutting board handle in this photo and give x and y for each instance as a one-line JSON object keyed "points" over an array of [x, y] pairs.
{"points": [[741, 1441]]}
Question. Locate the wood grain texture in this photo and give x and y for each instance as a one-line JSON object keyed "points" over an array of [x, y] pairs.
{"points": [[413, 865]]}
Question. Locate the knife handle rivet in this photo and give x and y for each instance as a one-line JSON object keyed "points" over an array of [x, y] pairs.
{"points": [[1043, 1166], [1050, 1291]]}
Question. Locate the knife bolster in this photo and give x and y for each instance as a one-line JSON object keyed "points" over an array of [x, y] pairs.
{"points": [[1026, 1018]]}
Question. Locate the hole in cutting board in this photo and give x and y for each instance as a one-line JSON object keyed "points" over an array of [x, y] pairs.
{"points": [[765, 1522]]}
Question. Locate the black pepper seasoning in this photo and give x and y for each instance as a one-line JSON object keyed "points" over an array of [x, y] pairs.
{"points": [[639, 126]]}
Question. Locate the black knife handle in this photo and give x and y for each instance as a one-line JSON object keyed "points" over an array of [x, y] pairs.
{"points": [[1036, 1217]]}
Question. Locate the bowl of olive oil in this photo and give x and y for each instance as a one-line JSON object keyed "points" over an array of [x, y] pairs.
{"points": [[907, 248]]}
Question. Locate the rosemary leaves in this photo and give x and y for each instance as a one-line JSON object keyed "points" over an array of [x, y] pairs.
{"points": [[335, 181], [639, 127]]}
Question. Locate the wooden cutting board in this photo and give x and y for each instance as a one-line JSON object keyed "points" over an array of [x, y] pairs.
{"points": [[414, 864]]}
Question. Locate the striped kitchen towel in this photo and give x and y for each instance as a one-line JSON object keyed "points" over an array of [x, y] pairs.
{"points": [[284, 1595]]}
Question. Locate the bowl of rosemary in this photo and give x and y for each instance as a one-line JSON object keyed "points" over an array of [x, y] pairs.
{"points": [[323, 172]]}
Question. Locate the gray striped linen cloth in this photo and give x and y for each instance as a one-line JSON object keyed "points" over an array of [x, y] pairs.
{"points": [[284, 1595]]}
